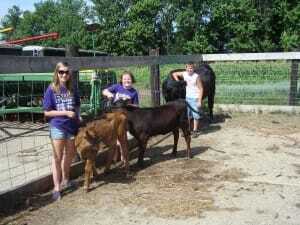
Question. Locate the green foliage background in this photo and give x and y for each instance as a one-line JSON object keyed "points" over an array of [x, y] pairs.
{"points": [[132, 27]]}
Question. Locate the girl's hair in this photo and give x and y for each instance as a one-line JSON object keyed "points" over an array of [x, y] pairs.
{"points": [[128, 73], [55, 83]]}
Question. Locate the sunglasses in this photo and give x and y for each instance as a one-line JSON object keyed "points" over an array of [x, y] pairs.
{"points": [[62, 72]]}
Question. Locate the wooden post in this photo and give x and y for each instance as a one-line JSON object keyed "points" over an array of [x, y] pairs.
{"points": [[72, 51], [293, 82], [155, 79]]}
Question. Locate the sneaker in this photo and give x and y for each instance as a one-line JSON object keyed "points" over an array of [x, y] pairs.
{"points": [[56, 196]]}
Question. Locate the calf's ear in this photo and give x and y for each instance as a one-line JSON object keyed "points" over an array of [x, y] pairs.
{"points": [[91, 138]]}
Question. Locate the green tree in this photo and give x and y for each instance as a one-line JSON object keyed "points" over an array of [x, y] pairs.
{"points": [[112, 22], [165, 35], [70, 22], [132, 27], [192, 27], [67, 17], [12, 19], [290, 37], [38, 22], [262, 25], [140, 35]]}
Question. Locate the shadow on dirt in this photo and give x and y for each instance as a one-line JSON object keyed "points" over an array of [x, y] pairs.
{"points": [[30, 204], [209, 127], [153, 156], [220, 118]]}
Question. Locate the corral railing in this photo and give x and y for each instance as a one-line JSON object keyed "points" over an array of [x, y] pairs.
{"points": [[247, 78], [256, 67], [22, 64]]}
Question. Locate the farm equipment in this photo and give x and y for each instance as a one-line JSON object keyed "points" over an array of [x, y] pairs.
{"points": [[8, 29], [53, 36]]}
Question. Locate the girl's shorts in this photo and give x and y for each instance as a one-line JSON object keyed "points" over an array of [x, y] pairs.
{"points": [[56, 133], [193, 102]]}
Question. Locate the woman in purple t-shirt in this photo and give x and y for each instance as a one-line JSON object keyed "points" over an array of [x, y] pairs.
{"points": [[61, 106], [124, 90]]}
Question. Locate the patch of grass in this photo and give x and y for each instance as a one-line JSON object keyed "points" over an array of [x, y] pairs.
{"points": [[251, 72]]}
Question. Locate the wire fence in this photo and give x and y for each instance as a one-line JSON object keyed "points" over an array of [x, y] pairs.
{"points": [[25, 148], [253, 83], [249, 83], [24, 153]]}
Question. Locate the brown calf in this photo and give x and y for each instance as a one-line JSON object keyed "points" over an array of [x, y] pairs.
{"points": [[91, 137]]}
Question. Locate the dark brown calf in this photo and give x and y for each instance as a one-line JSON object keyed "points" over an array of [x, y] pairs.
{"points": [[144, 123], [92, 136]]}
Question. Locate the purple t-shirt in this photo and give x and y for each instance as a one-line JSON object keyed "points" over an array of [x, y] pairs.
{"points": [[62, 101], [122, 93]]}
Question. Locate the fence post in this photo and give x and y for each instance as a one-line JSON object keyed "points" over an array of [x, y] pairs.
{"points": [[72, 51], [155, 79], [293, 82]]}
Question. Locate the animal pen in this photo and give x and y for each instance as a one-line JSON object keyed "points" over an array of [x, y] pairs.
{"points": [[25, 149]]}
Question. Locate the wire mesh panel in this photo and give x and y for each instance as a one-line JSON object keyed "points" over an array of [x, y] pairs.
{"points": [[261, 82], [25, 152], [245, 82]]}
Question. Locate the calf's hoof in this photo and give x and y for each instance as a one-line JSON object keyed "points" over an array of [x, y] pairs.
{"points": [[189, 156], [86, 189]]}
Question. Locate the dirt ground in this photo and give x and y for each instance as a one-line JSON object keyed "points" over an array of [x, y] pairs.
{"points": [[245, 170]]}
